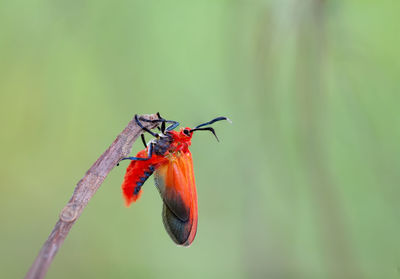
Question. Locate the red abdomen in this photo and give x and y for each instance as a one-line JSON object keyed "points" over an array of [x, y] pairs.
{"points": [[136, 175]]}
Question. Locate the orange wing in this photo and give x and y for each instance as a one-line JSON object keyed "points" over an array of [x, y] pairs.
{"points": [[176, 184]]}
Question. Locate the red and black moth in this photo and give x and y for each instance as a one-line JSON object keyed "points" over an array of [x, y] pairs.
{"points": [[169, 158]]}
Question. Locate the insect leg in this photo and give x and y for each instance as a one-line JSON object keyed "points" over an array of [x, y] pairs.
{"points": [[149, 155], [173, 125], [143, 140], [144, 128]]}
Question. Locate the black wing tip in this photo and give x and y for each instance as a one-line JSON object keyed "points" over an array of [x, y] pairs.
{"points": [[178, 230]]}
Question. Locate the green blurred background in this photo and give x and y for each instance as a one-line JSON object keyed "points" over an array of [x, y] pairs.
{"points": [[304, 183]]}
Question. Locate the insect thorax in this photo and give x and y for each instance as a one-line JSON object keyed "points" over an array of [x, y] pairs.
{"points": [[162, 145]]}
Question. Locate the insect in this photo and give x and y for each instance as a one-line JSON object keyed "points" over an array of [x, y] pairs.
{"points": [[169, 158]]}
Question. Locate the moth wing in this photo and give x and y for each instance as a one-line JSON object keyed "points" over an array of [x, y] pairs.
{"points": [[176, 184]]}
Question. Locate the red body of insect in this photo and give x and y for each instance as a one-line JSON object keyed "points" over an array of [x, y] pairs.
{"points": [[171, 162]]}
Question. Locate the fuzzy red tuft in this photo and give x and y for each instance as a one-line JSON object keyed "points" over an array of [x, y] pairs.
{"points": [[128, 186]]}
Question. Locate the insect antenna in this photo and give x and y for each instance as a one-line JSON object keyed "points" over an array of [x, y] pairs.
{"points": [[213, 121], [206, 129], [202, 128]]}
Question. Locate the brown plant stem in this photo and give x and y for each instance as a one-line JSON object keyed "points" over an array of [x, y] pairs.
{"points": [[84, 191]]}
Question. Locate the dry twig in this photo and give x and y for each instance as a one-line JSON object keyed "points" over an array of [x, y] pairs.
{"points": [[84, 191]]}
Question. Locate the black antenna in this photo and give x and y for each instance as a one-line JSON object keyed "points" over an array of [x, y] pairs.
{"points": [[213, 121]]}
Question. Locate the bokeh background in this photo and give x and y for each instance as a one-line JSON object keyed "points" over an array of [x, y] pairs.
{"points": [[304, 183]]}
